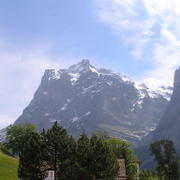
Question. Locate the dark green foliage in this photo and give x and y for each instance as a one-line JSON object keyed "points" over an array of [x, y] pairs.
{"points": [[86, 159], [83, 149], [166, 158], [149, 174], [69, 170], [31, 164], [103, 162], [4, 149], [70, 166], [56, 142], [17, 135], [102, 134], [123, 150], [143, 153], [96, 159]]}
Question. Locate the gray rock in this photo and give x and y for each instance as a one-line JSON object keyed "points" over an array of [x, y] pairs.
{"points": [[84, 98], [169, 125]]}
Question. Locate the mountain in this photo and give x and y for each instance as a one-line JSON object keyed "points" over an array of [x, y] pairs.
{"points": [[169, 125], [3, 134], [85, 98]]}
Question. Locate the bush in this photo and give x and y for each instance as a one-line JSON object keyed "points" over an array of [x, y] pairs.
{"points": [[5, 150]]}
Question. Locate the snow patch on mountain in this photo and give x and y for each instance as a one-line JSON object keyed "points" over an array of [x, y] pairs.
{"points": [[64, 107], [46, 114], [125, 78], [45, 92], [94, 70], [109, 83], [88, 113], [75, 118], [55, 75], [54, 120], [74, 77], [145, 90]]}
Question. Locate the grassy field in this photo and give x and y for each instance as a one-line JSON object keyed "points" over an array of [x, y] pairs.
{"points": [[8, 167]]}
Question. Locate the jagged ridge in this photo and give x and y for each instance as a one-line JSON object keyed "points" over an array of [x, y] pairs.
{"points": [[85, 98]]}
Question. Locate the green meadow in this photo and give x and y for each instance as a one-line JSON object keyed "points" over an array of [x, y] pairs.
{"points": [[8, 167]]}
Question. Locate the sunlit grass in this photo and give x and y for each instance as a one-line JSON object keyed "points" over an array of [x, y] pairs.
{"points": [[8, 167]]}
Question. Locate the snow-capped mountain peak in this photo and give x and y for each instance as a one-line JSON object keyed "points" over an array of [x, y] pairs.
{"points": [[52, 74], [82, 66], [86, 98]]}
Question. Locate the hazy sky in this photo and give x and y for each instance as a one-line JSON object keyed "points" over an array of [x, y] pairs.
{"points": [[138, 38]]}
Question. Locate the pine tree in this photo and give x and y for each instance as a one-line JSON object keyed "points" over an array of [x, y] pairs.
{"points": [[70, 165], [56, 141], [95, 158], [31, 159], [103, 163], [83, 149]]}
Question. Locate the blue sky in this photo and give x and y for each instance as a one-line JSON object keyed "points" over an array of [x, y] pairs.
{"points": [[138, 38]]}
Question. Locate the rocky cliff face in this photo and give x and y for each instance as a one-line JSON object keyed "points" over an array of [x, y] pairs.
{"points": [[169, 126], [84, 98]]}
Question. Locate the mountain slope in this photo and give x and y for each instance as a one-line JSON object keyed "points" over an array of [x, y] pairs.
{"points": [[170, 123], [84, 98]]}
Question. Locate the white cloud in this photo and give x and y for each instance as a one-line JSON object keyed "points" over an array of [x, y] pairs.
{"points": [[153, 29]]}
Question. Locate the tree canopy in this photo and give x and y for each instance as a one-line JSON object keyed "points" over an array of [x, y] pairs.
{"points": [[90, 158], [166, 159], [122, 149], [31, 158], [17, 135]]}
